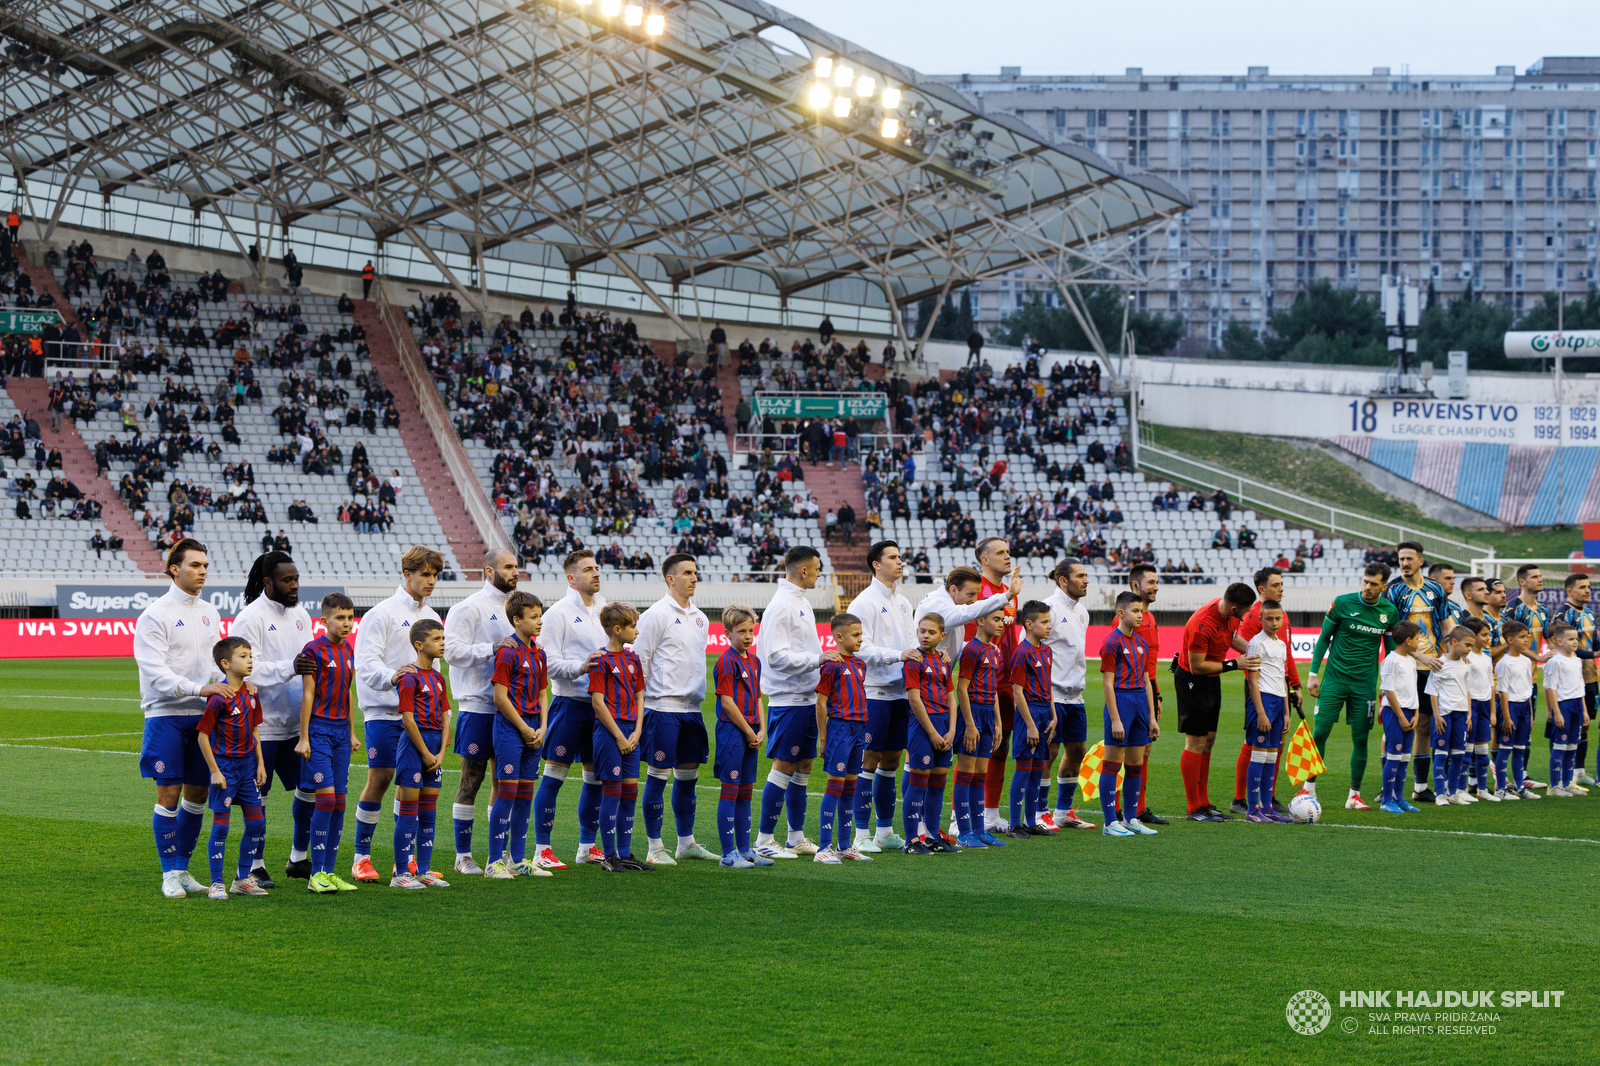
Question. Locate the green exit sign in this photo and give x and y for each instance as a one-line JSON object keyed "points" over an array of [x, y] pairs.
{"points": [[28, 321]]}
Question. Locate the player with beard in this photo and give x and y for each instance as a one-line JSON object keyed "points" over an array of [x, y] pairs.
{"points": [[1144, 582]]}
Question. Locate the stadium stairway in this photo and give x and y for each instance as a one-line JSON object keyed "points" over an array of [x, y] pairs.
{"points": [[443, 495], [31, 395], [834, 488], [45, 281]]}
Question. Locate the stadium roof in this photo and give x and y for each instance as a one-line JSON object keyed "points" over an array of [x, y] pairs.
{"points": [[548, 132]]}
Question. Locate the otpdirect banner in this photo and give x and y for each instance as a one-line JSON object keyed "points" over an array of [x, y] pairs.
{"points": [[65, 638], [127, 601]]}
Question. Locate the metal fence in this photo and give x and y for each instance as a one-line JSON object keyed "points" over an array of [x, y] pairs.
{"points": [[1333, 520]]}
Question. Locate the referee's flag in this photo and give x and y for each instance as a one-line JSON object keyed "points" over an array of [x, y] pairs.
{"points": [[1303, 760], [1089, 771]]}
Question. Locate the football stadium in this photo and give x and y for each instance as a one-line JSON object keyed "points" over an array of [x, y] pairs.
{"points": [[658, 452]]}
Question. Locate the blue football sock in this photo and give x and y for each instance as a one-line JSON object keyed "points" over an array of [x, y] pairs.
{"points": [[255, 837], [1500, 755], [1252, 786], [860, 808], [1041, 796], [500, 819], [975, 800], [164, 826], [589, 809], [772, 794], [610, 805], [1108, 791], [301, 810], [962, 798], [189, 821], [462, 816], [741, 814], [1130, 792], [933, 802], [1569, 762], [728, 818], [427, 820], [1065, 788], [219, 844], [883, 797], [1020, 784], [1519, 766], [655, 803], [521, 814], [1441, 766], [405, 836], [366, 825], [795, 800], [916, 794], [544, 802], [1484, 781], [625, 811], [683, 786], [335, 831], [321, 833]]}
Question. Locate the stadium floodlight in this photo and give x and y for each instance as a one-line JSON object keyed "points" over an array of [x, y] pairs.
{"points": [[824, 67], [864, 87], [819, 96], [841, 107], [633, 15], [843, 76], [891, 97], [891, 127], [655, 24], [610, 8]]}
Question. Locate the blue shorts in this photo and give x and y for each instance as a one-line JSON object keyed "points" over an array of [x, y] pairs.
{"points": [[1521, 725], [671, 739], [170, 752], [1396, 741], [920, 752], [1072, 724], [380, 735], [282, 763], [1571, 731], [1482, 722], [408, 772], [888, 724], [330, 757], [847, 742], [1020, 748], [240, 773], [736, 759], [513, 760], [1274, 706], [475, 735], [792, 732], [609, 762], [1134, 711], [1453, 737], [570, 736]]}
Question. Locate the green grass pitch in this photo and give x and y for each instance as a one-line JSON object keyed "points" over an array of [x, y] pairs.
{"points": [[1184, 947]]}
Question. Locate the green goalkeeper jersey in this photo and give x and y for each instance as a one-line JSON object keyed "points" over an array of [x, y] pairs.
{"points": [[1353, 636]]}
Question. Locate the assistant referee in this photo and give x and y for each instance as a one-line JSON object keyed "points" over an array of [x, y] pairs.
{"points": [[1197, 670]]}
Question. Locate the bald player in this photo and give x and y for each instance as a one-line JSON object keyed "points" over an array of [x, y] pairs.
{"points": [[994, 562]]}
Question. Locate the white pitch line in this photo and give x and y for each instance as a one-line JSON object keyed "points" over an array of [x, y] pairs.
{"points": [[55, 747], [58, 696], [1462, 833], [77, 736]]}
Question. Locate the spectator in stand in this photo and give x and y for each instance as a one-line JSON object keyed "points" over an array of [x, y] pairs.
{"points": [[1224, 506], [1220, 539], [1247, 537], [847, 522], [1096, 452]]}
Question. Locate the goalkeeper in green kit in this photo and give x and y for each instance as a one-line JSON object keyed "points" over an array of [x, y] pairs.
{"points": [[1354, 635]]}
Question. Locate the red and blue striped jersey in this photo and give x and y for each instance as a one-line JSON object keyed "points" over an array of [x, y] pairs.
{"points": [[521, 669], [231, 723], [422, 693], [739, 677], [336, 669], [981, 665], [620, 678], [845, 685], [1123, 654], [931, 678], [1030, 668]]}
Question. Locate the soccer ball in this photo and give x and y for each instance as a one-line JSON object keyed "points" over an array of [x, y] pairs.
{"points": [[1305, 808]]}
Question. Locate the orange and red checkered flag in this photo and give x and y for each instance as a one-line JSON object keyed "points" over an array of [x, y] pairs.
{"points": [[1089, 771], [1302, 759]]}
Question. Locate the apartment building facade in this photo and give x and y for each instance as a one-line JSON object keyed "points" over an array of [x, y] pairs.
{"points": [[1480, 182]]}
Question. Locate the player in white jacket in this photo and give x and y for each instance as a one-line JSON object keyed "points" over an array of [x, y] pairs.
{"points": [[277, 628], [172, 642], [472, 628]]}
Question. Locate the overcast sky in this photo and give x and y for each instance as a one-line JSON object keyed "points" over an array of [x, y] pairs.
{"points": [[1215, 37]]}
